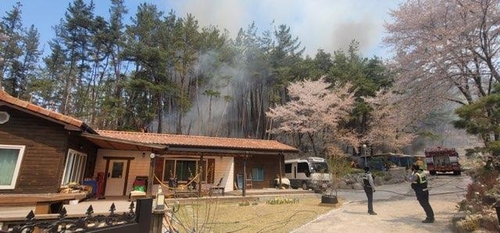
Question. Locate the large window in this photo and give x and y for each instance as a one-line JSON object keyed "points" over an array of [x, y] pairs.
{"points": [[10, 163], [184, 169], [75, 167]]}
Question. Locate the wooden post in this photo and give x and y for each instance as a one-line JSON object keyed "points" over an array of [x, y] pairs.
{"points": [[281, 161], [157, 221], [244, 190], [151, 177], [200, 177]]}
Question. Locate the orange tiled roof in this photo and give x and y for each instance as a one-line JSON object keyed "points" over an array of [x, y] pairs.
{"points": [[198, 141], [5, 97]]}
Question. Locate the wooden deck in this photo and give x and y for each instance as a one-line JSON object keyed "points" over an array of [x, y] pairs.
{"points": [[46, 203]]}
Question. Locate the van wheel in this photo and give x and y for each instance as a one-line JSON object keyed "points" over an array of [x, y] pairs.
{"points": [[304, 186]]}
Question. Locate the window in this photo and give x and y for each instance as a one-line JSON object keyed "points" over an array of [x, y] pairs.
{"points": [[117, 170], [257, 174], [10, 164], [75, 167], [288, 168], [320, 167], [302, 167], [183, 169]]}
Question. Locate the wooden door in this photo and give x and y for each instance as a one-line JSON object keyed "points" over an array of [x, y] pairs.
{"points": [[115, 183]]}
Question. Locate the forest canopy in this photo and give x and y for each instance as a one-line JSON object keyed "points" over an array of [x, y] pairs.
{"points": [[164, 73]]}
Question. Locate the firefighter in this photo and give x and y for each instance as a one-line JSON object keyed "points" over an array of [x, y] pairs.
{"points": [[419, 162], [369, 188], [419, 185]]}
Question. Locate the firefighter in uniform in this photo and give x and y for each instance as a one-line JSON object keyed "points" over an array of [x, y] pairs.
{"points": [[369, 188], [419, 185]]}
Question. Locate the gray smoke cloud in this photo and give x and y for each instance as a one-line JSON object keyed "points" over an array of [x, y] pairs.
{"points": [[327, 24]]}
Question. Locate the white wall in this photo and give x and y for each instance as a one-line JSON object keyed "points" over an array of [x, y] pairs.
{"points": [[224, 166], [139, 166]]}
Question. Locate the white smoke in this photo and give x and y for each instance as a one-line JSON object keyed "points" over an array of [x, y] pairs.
{"points": [[320, 24]]}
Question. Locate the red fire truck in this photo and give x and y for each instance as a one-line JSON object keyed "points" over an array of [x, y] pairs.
{"points": [[441, 159]]}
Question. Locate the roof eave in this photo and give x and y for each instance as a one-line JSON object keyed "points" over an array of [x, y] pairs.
{"points": [[206, 149], [138, 145], [82, 127]]}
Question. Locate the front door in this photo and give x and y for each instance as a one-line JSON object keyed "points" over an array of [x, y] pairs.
{"points": [[115, 182]]}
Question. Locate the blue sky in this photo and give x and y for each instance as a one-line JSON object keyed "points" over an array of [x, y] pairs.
{"points": [[326, 24]]}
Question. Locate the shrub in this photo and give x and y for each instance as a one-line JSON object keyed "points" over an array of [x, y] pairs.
{"points": [[245, 203], [281, 200], [482, 194], [489, 221], [469, 224]]}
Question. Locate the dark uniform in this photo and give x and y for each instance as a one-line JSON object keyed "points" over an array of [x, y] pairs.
{"points": [[419, 185], [369, 188]]}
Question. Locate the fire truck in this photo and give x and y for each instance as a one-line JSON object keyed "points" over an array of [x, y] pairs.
{"points": [[443, 160]]}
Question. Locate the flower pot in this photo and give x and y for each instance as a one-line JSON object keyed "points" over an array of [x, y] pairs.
{"points": [[329, 199]]}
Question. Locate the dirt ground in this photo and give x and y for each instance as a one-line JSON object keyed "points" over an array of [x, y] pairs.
{"points": [[393, 216], [397, 208]]}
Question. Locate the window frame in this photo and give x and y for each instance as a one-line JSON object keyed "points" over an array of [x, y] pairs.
{"points": [[77, 161], [15, 174], [173, 163]]}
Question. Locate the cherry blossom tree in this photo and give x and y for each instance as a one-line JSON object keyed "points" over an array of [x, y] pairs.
{"points": [[315, 114], [389, 126], [445, 51]]}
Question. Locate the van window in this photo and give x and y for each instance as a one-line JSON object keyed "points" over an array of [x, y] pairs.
{"points": [[302, 167], [320, 167], [288, 168]]}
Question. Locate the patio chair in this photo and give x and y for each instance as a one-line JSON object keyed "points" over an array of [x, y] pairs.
{"points": [[219, 188], [249, 181], [139, 188]]}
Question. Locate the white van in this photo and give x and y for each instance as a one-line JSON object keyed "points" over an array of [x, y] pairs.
{"points": [[309, 173]]}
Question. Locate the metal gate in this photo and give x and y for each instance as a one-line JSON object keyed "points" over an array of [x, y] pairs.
{"points": [[138, 221]]}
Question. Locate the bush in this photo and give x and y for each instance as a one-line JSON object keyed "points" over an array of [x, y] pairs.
{"points": [[469, 224], [282, 200], [245, 203], [482, 194]]}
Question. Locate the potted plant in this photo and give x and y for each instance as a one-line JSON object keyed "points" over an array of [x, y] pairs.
{"points": [[338, 167]]}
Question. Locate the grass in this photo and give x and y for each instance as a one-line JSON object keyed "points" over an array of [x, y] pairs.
{"points": [[258, 216]]}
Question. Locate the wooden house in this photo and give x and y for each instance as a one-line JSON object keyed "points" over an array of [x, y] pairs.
{"points": [[41, 150]]}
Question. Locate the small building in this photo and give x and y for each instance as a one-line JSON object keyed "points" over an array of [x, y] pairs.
{"points": [[42, 150]]}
